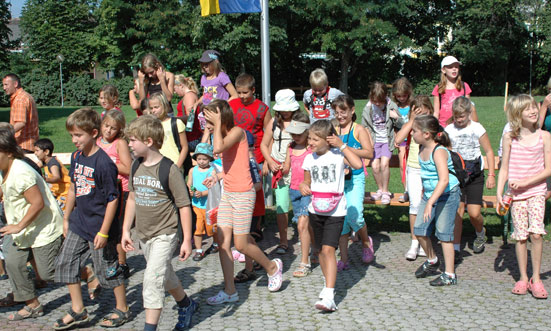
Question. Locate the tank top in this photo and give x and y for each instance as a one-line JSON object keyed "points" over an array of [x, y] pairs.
{"points": [[413, 155], [197, 182], [527, 161], [352, 141], [429, 175], [297, 173], [282, 139], [235, 164], [111, 151]]}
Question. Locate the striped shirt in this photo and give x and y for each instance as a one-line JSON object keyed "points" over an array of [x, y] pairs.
{"points": [[23, 109], [525, 162]]}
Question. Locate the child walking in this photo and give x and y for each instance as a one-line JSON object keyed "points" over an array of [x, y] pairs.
{"points": [[199, 193], [237, 203], [298, 150], [358, 139], [113, 143], [279, 139], [526, 165], [440, 198], [421, 106], [402, 95], [324, 180], [55, 172], [109, 99], [318, 99], [450, 87], [380, 117], [90, 211], [467, 137], [157, 222]]}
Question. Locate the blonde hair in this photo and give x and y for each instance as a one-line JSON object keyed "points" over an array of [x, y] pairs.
{"points": [[461, 106], [147, 126], [187, 82], [118, 117], [515, 106], [85, 119], [216, 65], [378, 92], [402, 86], [165, 105], [444, 81], [111, 94], [422, 101], [318, 78], [150, 61], [322, 128]]}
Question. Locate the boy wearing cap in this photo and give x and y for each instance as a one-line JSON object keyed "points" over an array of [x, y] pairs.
{"points": [[317, 100], [199, 193]]}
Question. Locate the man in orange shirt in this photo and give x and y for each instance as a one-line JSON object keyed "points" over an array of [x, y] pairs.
{"points": [[23, 113]]}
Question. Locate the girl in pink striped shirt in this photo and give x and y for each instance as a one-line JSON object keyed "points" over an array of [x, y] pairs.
{"points": [[526, 165]]}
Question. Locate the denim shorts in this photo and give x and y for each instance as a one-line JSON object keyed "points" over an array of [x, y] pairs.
{"points": [[442, 216], [354, 190], [300, 204]]}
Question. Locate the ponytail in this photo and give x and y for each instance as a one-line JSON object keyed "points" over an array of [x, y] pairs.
{"points": [[429, 123], [442, 138]]}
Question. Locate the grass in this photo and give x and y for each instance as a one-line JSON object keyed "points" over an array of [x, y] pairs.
{"points": [[379, 218]]}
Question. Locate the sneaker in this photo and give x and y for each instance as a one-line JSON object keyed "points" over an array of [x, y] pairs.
{"points": [[222, 297], [377, 195], [479, 243], [235, 254], [125, 270], [198, 256], [275, 280], [241, 258], [4, 276], [213, 249], [443, 280], [427, 269], [326, 304], [411, 254], [404, 197], [367, 252], [341, 266], [421, 252], [185, 314], [385, 198]]}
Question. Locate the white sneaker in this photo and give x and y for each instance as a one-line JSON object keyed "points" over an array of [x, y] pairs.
{"points": [[421, 252], [222, 297], [326, 304], [411, 254]]}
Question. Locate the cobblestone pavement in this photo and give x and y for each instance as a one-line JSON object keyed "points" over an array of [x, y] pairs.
{"points": [[383, 295]]}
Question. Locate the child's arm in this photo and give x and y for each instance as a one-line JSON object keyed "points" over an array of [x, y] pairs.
{"points": [[110, 210], [269, 163], [504, 169], [190, 180], [189, 102], [436, 102], [167, 82], [350, 158], [141, 85], [55, 174], [134, 102], [185, 148], [129, 215], [34, 198], [206, 136], [287, 163], [543, 109], [124, 157], [365, 141], [221, 144], [485, 143], [304, 187], [441, 162], [542, 176], [231, 90], [474, 114], [403, 133], [69, 206], [185, 219]]}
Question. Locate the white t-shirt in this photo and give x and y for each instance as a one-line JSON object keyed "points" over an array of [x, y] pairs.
{"points": [[466, 141], [327, 174], [506, 128]]}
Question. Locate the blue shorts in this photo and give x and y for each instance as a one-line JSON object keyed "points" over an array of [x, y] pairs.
{"points": [[442, 216], [354, 191], [300, 204]]}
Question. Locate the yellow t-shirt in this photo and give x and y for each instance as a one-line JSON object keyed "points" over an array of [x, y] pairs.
{"points": [[413, 155], [169, 148], [48, 224]]}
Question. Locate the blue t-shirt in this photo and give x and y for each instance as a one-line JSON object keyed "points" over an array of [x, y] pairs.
{"points": [[95, 180], [429, 175], [197, 181], [404, 113]]}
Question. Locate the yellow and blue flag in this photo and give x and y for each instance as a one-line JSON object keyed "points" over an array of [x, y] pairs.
{"points": [[209, 7]]}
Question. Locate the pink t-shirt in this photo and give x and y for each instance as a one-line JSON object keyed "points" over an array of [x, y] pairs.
{"points": [[235, 163], [297, 173], [446, 101], [527, 161], [111, 151]]}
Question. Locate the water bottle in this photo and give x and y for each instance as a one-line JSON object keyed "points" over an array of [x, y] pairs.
{"points": [[507, 200], [190, 120]]}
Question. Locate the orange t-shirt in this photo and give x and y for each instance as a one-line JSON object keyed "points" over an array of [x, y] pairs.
{"points": [[235, 163]]}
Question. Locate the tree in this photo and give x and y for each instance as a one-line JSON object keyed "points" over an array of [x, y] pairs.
{"points": [[5, 33], [52, 27]]}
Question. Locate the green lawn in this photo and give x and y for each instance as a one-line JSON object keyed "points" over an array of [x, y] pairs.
{"points": [[490, 112]]}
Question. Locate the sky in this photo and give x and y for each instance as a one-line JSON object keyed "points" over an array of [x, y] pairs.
{"points": [[15, 8]]}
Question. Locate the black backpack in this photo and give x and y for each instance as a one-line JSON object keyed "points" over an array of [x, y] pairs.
{"points": [[459, 168]]}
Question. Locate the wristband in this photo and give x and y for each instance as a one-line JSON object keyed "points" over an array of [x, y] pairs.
{"points": [[342, 147], [491, 175], [103, 235]]}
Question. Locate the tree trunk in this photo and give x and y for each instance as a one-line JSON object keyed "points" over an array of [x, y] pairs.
{"points": [[345, 64]]}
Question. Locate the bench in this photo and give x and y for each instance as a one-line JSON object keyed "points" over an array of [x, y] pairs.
{"points": [[299, 91], [64, 158], [488, 201]]}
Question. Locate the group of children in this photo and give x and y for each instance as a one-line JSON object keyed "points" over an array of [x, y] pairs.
{"points": [[317, 161]]}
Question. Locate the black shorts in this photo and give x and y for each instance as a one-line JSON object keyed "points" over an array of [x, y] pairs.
{"points": [[472, 193], [327, 230]]}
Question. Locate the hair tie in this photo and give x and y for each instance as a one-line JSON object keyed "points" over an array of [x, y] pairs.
{"points": [[439, 134]]}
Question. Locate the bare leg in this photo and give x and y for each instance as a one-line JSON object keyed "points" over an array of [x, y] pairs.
{"points": [[246, 245], [536, 254], [343, 246], [412, 218], [198, 242], [226, 259], [364, 236], [385, 173], [522, 259], [376, 169], [449, 255], [282, 224], [401, 153], [76, 301], [427, 246], [476, 217], [328, 264], [458, 228], [122, 254], [305, 238]]}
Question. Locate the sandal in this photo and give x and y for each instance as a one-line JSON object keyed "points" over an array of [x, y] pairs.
{"points": [[77, 320], [257, 235], [31, 313], [93, 292], [8, 301], [537, 289], [244, 276], [122, 317], [314, 258], [281, 249], [521, 287], [302, 270]]}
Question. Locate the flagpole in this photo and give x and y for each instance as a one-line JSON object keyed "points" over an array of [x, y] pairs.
{"points": [[265, 52]]}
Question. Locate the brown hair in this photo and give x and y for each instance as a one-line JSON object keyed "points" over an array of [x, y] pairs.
{"points": [[344, 101], [422, 101], [430, 124], [147, 126], [8, 144], [226, 112], [111, 94], [322, 128], [444, 81], [150, 61], [402, 86], [86, 119], [245, 80], [118, 117], [378, 92]]}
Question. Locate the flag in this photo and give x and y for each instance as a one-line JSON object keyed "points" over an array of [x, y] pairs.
{"points": [[209, 7]]}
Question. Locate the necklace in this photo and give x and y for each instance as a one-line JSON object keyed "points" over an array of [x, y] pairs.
{"points": [[105, 142]]}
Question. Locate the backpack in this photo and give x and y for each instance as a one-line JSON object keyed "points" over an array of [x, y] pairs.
{"points": [[176, 136], [459, 169], [164, 171]]}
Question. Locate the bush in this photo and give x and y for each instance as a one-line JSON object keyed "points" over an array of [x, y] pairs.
{"points": [[425, 87], [45, 89], [123, 85], [82, 90]]}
